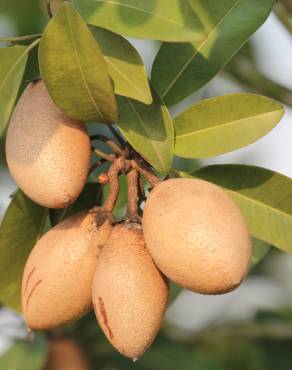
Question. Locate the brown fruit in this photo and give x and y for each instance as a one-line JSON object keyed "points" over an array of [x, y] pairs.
{"points": [[57, 279], [129, 293], [197, 235], [64, 354], [48, 154]]}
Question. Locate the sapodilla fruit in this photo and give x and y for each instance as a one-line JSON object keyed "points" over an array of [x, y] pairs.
{"points": [[57, 279], [48, 154], [64, 354], [129, 293], [197, 235]]}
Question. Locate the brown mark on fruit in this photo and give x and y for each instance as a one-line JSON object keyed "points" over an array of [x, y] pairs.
{"points": [[31, 293], [28, 279], [104, 316]]}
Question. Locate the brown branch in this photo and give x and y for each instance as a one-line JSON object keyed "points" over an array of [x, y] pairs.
{"points": [[105, 156], [117, 136], [141, 166], [111, 144], [49, 9], [120, 164], [132, 181]]}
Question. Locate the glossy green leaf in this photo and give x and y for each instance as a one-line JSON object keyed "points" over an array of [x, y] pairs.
{"points": [[149, 129], [259, 250], [25, 355], [21, 227], [225, 123], [124, 65], [264, 197], [74, 70], [181, 69], [12, 65], [163, 20], [91, 196]]}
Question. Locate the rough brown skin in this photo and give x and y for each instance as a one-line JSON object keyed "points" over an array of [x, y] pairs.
{"points": [[64, 354], [197, 235], [129, 293], [48, 154], [57, 280]]}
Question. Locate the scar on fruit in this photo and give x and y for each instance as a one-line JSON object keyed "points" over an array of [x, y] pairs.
{"points": [[104, 316], [32, 291], [28, 279]]}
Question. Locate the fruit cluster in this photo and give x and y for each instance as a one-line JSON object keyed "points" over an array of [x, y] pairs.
{"points": [[191, 232]]}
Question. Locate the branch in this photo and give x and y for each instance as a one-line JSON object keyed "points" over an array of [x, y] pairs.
{"points": [[105, 156], [141, 166], [20, 38], [111, 144], [120, 164], [132, 181]]}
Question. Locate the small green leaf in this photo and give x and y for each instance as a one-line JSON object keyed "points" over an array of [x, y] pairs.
{"points": [[149, 129], [264, 197], [124, 65], [181, 69], [12, 65], [26, 355], [90, 197], [222, 124], [259, 250], [21, 227], [163, 20], [74, 70]]}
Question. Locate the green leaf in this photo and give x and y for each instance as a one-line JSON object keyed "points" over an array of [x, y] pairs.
{"points": [[181, 69], [163, 20], [264, 197], [149, 129], [222, 124], [21, 227], [12, 65], [90, 197], [124, 65], [74, 70], [259, 250], [26, 355]]}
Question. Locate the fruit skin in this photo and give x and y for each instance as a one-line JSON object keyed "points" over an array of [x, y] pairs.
{"points": [[48, 154], [64, 354], [129, 293], [197, 235], [57, 279]]}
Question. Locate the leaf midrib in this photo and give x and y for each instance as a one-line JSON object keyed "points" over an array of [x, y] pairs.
{"points": [[188, 62], [80, 67], [225, 124], [144, 96], [139, 10], [145, 129], [13, 68], [261, 204]]}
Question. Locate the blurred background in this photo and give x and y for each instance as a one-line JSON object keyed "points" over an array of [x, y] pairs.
{"points": [[248, 329]]}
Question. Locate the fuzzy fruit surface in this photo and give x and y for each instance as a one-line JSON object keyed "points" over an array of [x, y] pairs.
{"points": [[64, 354], [129, 293], [48, 154], [197, 235], [57, 279]]}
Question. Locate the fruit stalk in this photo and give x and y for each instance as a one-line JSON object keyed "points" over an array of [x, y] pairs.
{"points": [[132, 180], [119, 165], [143, 169], [105, 156], [111, 144]]}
